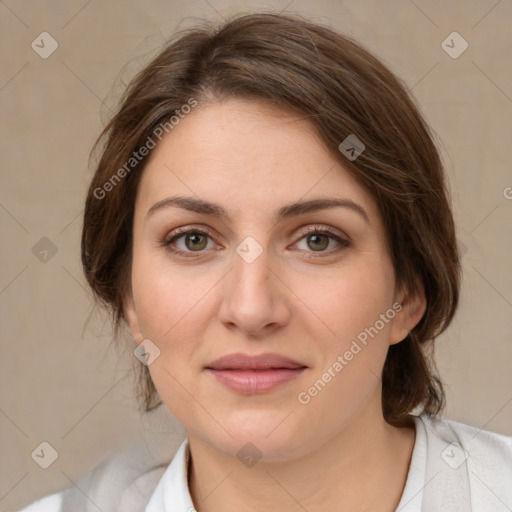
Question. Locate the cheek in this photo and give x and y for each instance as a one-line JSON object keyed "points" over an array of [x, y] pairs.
{"points": [[170, 299], [171, 306], [351, 306], [347, 376], [352, 299]]}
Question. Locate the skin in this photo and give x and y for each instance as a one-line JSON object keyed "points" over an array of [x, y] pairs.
{"points": [[337, 452]]}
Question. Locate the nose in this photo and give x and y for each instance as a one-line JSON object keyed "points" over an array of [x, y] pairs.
{"points": [[254, 298]]}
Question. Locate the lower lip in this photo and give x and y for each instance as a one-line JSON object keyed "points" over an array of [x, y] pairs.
{"points": [[255, 381]]}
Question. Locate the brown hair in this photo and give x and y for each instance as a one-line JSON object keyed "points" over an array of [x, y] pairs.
{"points": [[343, 90]]}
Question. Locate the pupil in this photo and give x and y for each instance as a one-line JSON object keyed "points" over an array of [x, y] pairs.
{"points": [[193, 238], [316, 237]]}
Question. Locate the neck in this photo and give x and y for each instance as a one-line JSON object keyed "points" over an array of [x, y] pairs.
{"points": [[363, 467]]}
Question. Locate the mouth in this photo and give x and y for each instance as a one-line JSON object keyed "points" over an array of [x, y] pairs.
{"points": [[247, 374]]}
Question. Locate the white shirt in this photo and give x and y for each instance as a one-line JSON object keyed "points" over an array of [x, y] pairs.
{"points": [[454, 467]]}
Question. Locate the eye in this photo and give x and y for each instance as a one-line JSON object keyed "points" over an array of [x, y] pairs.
{"points": [[194, 240], [318, 238]]}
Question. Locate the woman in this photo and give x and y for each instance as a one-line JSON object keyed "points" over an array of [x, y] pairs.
{"points": [[270, 219]]}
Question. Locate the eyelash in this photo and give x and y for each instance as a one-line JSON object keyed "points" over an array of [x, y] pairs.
{"points": [[314, 230]]}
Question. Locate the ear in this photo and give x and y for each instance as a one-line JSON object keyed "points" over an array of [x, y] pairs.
{"points": [[130, 315], [414, 305]]}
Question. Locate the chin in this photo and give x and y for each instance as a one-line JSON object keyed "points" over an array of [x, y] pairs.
{"points": [[258, 435]]}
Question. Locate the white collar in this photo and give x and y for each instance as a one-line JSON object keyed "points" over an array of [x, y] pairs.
{"points": [[412, 496], [172, 493]]}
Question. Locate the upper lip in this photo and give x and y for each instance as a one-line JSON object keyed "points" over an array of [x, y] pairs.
{"points": [[240, 361]]}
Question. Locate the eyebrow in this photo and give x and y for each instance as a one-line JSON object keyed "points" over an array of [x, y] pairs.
{"points": [[201, 206]]}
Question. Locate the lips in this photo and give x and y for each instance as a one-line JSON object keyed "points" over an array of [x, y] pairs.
{"points": [[240, 361], [248, 375]]}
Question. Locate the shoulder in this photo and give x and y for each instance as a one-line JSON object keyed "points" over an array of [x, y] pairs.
{"points": [[466, 467], [478, 442], [50, 503], [128, 475]]}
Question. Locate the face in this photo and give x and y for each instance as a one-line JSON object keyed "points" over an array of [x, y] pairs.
{"points": [[314, 285]]}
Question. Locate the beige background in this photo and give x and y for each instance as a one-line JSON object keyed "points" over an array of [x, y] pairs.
{"points": [[59, 381]]}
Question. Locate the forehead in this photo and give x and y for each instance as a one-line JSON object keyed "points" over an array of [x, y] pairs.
{"points": [[247, 156]]}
